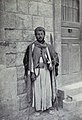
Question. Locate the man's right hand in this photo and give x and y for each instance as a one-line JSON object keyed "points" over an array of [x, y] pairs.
{"points": [[33, 76]]}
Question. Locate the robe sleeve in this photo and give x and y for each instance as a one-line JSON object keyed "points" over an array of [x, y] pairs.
{"points": [[26, 61]]}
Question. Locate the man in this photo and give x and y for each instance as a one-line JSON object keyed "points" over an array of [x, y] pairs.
{"points": [[38, 71]]}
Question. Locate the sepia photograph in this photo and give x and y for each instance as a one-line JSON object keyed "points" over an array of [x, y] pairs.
{"points": [[40, 59]]}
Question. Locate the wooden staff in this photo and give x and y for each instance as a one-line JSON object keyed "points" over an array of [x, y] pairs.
{"points": [[56, 91]]}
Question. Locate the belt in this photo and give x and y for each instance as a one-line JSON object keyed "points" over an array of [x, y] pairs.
{"points": [[41, 65]]}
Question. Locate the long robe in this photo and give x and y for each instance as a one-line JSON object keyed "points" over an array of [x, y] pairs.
{"points": [[40, 92]]}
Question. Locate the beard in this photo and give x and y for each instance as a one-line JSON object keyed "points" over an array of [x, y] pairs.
{"points": [[40, 40]]}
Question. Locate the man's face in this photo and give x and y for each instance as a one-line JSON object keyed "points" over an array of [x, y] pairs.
{"points": [[40, 36]]}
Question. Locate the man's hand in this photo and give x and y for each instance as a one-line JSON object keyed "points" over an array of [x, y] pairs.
{"points": [[50, 67], [33, 76]]}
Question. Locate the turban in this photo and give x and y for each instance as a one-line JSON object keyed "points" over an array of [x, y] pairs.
{"points": [[39, 29]]}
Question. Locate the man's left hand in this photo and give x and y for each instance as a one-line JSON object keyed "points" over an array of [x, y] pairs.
{"points": [[50, 67]]}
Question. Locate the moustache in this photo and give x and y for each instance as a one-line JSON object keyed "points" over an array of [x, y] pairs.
{"points": [[40, 37]]}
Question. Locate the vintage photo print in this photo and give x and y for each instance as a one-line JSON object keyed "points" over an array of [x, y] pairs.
{"points": [[40, 59]]}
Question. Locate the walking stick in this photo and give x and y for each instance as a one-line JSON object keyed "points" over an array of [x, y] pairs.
{"points": [[56, 97]]}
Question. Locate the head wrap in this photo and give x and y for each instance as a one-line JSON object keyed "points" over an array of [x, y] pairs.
{"points": [[39, 29]]}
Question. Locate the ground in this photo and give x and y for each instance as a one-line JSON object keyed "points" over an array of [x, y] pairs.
{"points": [[59, 115]]}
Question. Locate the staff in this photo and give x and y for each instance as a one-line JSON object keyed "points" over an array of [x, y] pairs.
{"points": [[54, 61]]}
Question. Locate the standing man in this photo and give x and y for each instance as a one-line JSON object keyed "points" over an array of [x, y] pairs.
{"points": [[38, 71]]}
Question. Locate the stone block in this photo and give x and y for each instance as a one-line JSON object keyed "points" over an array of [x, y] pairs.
{"points": [[10, 60], [11, 48], [28, 35], [21, 46], [6, 110], [10, 5], [24, 21], [2, 58], [45, 10], [23, 101], [20, 72], [38, 21], [2, 34], [1, 5], [49, 24], [8, 88], [58, 27], [23, 6], [9, 109], [19, 59], [1, 19], [81, 35], [21, 87], [60, 98], [69, 105], [33, 8], [9, 20], [27, 22], [2, 55], [18, 22], [13, 35], [58, 16]]}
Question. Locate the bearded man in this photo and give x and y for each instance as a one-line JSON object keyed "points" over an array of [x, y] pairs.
{"points": [[38, 71]]}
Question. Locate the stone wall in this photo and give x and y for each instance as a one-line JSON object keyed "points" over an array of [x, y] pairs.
{"points": [[18, 19], [81, 30], [81, 33], [57, 36]]}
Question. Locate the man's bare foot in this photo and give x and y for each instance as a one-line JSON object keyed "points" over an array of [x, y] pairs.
{"points": [[51, 112], [37, 113]]}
